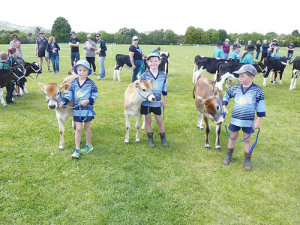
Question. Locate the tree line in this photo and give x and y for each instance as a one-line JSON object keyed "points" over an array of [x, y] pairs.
{"points": [[61, 29]]}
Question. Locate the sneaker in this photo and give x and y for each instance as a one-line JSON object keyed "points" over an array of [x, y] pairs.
{"points": [[86, 149], [94, 73], [76, 154], [99, 78], [12, 103]]}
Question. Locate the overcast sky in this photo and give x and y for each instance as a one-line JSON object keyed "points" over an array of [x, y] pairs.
{"points": [[110, 15]]}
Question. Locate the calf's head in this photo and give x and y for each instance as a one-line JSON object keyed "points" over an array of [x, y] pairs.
{"points": [[213, 107], [52, 92], [144, 89]]}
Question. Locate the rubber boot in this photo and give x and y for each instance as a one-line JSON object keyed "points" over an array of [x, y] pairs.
{"points": [[163, 140], [248, 161], [150, 139], [227, 159]]}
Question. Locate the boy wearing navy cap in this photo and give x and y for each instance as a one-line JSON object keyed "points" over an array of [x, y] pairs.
{"points": [[249, 98], [218, 52]]}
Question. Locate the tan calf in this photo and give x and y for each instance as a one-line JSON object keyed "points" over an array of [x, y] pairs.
{"points": [[53, 93], [135, 94], [208, 101]]}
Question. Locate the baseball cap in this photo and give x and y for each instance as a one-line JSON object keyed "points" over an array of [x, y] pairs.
{"points": [[72, 32], [135, 37], [152, 55], [97, 35], [88, 36], [41, 32], [235, 46], [250, 48], [247, 68], [83, 63], [220, 43]]}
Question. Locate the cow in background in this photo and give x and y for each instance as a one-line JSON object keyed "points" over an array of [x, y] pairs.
{"points": [[295, 72], [164, 65], [226, 71], [208, 101], [274, 64], [202, 63]]}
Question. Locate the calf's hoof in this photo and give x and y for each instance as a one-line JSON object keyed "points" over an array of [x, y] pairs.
{"points": [[126, 142], [218, 149], [60, 149], [207, 147], [137, 142]]}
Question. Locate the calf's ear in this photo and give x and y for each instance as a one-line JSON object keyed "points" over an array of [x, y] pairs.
{"points": [[216, 92], [65, 86], [200, 99], [150, 81], [42, 86], [136, 84]]}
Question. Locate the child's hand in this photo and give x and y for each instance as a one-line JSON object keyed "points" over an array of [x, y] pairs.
{"points": [[163, 103], [224, 109], [85, 102], [60, 104]]}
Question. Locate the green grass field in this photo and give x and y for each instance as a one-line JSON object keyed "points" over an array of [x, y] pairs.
{"points": [[135, 184]]}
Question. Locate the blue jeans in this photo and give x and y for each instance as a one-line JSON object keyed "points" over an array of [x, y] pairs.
{"points": [[101, 65], [74, 55], [138, 64], [55, 63], [290, 56], [257, 54], [225, 55]]}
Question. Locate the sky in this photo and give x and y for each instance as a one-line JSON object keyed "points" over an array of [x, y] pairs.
{"points": [[235, 16]]}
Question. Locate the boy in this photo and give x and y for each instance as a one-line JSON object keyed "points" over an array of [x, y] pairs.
{"points": [[83, 92], [290, 53], [218, 52], [248, 99], [235, 54], [159, 88]]}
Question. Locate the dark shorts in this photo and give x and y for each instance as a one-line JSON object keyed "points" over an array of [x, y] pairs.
{"points": [[41, 53], [234, 128], [146, 110]]}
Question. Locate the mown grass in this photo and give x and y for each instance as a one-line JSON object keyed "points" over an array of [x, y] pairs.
{"points": [[135, 184]]}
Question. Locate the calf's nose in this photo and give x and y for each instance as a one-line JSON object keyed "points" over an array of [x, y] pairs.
{"points": [[51, 106]]}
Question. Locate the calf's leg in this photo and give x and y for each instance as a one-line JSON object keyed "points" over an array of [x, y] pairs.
{"points": [[207, 130], [126, 141], [1, 97]]}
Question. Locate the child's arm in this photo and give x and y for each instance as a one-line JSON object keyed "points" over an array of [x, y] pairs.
{"points": [[257, 123], [225, 109], [163, 103]]}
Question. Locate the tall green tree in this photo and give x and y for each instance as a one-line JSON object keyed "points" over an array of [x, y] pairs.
{"points": [[61, 30], [223, 35], [192, 36], [170, 37]]}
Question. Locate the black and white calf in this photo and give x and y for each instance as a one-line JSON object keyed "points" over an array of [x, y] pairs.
{"points": [[164, 65], [202, 63], [295, 72], [274, 64], [225, 71], [121, 61]]}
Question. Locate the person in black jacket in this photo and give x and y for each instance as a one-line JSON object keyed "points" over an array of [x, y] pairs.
{"points": [[102, 56], [53, 49]]}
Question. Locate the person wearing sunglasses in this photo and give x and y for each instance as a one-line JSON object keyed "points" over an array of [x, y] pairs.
{"points": [[136, 57]]}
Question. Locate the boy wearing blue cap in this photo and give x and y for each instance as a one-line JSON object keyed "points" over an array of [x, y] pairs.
{"points": [[248, 98], [83, 92]]}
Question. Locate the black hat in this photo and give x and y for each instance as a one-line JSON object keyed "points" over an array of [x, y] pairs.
{"points": [[235, 46], [98, 35], [220, 43], [250, 48], [72, 32]]}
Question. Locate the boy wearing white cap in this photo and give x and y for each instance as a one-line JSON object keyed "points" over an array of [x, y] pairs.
{"points": [[249, 98], [83, 92]]}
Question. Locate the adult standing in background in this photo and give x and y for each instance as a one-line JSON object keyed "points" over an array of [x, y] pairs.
{"points": [[258, 45], [290, 52], [15, 43], [102, 55], [90, 52], [264, 52], [136, 57], [53, 49], [226, 49], [40, 49], [237, 42], [272, 45], [74, 45]]}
